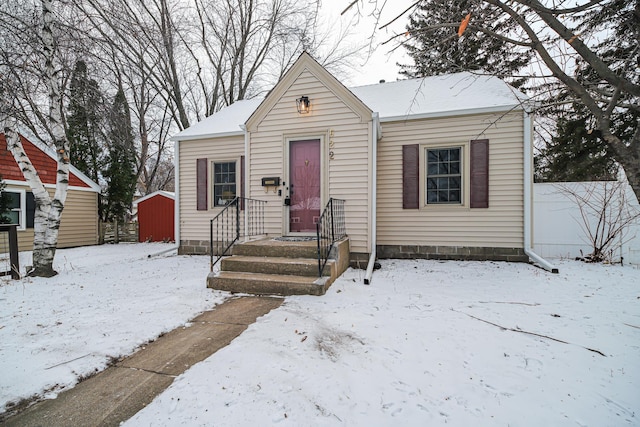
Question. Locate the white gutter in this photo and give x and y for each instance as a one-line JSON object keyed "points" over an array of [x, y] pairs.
{"points": [[376, 130], [528, 183], [246, 179], [176, 180], [208, 135]]}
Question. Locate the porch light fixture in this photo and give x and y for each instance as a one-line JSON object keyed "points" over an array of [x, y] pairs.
{"points": [[303, 104]]}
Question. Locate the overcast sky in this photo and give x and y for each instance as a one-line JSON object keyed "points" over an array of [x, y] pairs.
{"points": [[381, 64]]}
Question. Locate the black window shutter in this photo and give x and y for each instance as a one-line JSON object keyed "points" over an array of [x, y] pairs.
{"points": [[201, 184], [479, 194], [31, 209], [410, 176]]}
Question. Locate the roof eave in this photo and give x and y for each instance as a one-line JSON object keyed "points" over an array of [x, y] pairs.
{"points": [[206, 135], [168, 194], [84, 178], [450, 113], [38, 143]]}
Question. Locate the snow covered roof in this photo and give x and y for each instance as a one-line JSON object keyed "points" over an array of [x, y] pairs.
{"points": [[225, 122], [445, 95], [439, 96], [50, 167], [167, 194]]}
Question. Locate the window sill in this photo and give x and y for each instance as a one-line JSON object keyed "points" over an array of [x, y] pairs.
{"points": [[445, 207]]}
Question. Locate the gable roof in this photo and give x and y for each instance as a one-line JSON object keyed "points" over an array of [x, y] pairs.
{"points": [[168, 194], [306, 63], [45, 163], [444, 95], [226, 122], [435, 96]]}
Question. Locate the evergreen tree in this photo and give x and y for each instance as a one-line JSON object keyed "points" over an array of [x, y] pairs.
{"points": [[576, 153], [436, 48], [120, 171], [83, 122], [83, 125]]}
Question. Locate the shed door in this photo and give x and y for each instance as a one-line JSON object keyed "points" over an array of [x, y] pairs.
{"points": [[304, 178]]}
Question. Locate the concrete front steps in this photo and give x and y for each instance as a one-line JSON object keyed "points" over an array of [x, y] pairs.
{"points": [[279, 267]]}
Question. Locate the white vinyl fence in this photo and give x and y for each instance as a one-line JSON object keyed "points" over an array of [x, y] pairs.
{"points": [[559, 229]]}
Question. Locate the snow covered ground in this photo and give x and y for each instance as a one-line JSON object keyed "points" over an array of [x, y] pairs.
{"points": [[105, 302], [428, 343]]}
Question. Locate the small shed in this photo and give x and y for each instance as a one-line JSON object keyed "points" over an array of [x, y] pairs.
{"points": [[156, 217]]}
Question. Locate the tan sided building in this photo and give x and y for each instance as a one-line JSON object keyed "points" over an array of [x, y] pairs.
{"points": [[439, 167], [79, 222]]}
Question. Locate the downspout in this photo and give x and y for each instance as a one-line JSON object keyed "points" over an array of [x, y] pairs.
{"points": [[176, 205], [374, 197], [173, 248], [528, 184], [246, 179]]}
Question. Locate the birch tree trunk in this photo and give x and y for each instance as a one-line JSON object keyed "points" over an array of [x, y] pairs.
{"points": [[44, 245], [48, 210]]}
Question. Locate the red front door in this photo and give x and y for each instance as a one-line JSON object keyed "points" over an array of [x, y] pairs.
{"points": [[304, 187]]}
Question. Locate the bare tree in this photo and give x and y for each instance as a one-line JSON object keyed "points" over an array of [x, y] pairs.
{"points": [[589, 50], [201, 57], [163, 172], [180, 62], [240, 46], [153, 118], [138, 38], [30, 66], [606, 214]]}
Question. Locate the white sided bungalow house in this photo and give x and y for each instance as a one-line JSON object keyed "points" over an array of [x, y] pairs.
{"points": [[439, 167]]}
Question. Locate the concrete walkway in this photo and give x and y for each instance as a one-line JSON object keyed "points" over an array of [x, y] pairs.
{"points": [[119, 392]]}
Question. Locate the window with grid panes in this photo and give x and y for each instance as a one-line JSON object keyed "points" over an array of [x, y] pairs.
{"points": [[14, 213], [224, 183], [444, 177]]}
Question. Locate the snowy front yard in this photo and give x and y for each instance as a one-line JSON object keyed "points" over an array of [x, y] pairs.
{"points": [[423, 345], [105, 302]]}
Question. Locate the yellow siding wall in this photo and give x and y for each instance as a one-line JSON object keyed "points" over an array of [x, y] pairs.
{"points": [[194, 224], [79, 223], [501, 225], [343, 132], [348, 172]]}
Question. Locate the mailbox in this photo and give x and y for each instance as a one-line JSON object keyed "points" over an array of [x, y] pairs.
{"points": [[273, 181]]}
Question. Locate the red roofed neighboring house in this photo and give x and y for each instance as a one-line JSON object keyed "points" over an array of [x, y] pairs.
{"points": [[79, 223], [156, 213]]}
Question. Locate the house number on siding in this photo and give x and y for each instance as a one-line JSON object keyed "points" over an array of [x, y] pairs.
{"points": [[331, 144]]}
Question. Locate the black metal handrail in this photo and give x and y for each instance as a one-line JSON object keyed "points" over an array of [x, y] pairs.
{"points": [[225, 228], [330, 228]]}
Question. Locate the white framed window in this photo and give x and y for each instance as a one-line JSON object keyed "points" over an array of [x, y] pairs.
{"points": [[224, 183], [17, 213], [444, 180]]}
